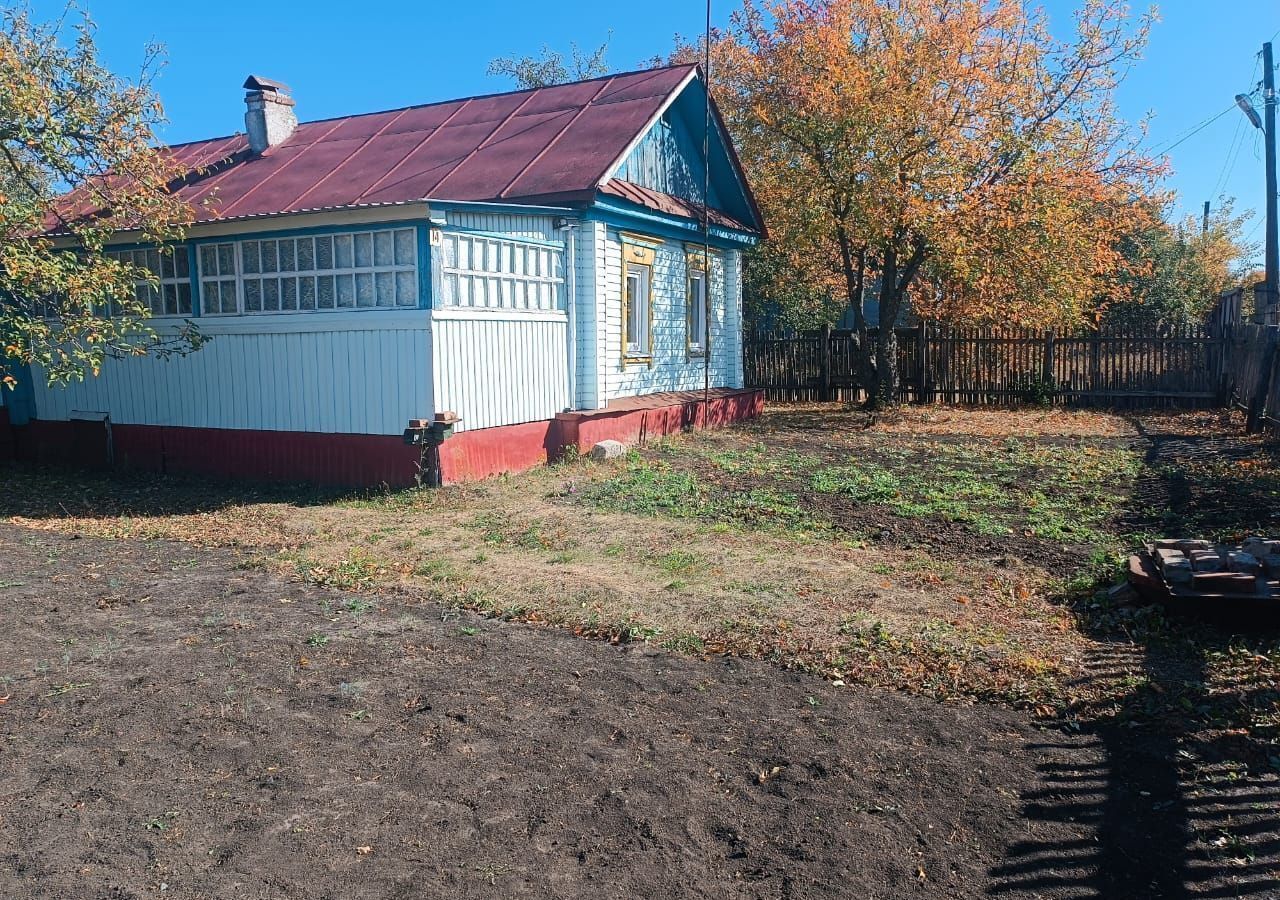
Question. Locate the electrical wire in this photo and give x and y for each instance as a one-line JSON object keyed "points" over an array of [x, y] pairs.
{"points": [[1193, 132], [1229, 164]]}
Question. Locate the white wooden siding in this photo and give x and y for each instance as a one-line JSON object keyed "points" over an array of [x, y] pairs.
{"points": [[589, 314], [537, 228], [673, 369], [500, 368], [343, 373]]}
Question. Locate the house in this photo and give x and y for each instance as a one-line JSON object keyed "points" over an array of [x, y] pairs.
{"points": [[530, 264]]}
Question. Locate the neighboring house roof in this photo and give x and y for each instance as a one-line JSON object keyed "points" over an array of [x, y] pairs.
{"points": [[552, 145]]}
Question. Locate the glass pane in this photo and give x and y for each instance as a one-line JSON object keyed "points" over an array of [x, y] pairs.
{"points": [[184, 298], [383, 254], [405, 241], [268, 256], [364, 289], [342, 251], [364, 249], [324, 253], [406, 289], [170, 300], [286, 256], [166, 265], [307, 293], [346, 291], [386, 289], [181, 264], [226, 259], [271, 294], [324, 292], [208, 260], [252, 295], [288, 292], [249, 257], [306, 255]]}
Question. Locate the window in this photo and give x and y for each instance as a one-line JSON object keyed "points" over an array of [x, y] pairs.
{"points": [[357, 270], [218, 279], [170, 267], [481, 271], [639, 277], [637, 301], [696, 298]]}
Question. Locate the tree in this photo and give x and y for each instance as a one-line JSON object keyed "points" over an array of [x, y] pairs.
{"points": [[1176, 269], [550, 67], [78, 166], [953, 150]]}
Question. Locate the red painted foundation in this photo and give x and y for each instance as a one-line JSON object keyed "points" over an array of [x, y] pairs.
{"points": [[367, 460]]}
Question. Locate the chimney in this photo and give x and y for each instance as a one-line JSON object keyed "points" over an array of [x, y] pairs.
{"points": [[269, 120]]}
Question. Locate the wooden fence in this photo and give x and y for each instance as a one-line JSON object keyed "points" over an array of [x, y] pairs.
{"points": [[1169, 366], [1251, 374]]}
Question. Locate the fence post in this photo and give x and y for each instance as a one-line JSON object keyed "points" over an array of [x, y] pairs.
{"points": [[1046, 373], [826, 363], [922, 360], [1258, 403]]}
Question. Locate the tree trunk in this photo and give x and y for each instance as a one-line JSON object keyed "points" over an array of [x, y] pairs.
{"points": [[884, 391]]}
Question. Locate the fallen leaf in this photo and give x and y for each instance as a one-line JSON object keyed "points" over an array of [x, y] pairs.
{"points": [[5, 698], [364, 851]]}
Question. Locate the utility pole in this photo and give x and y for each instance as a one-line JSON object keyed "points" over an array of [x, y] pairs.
{"points": [[1273, 240]]}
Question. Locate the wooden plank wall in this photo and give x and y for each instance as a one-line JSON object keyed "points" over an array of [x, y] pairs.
{"points": [[1116, 366]]}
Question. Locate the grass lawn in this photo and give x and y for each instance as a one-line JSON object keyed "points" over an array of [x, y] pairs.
{"points": [[955, 553], [961, 555]]}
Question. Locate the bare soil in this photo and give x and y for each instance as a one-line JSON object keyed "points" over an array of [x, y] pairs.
{"points": [[179, 726], [227, 691]]}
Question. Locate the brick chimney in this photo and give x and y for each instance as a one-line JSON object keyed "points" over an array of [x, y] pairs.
{"points": [[269, 119]]}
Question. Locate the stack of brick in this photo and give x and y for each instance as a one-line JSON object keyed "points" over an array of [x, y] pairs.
{"points": [[1204, 568]]}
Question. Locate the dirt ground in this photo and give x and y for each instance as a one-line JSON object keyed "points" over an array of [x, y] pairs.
{"points": [[224, 691], [183, 727]]}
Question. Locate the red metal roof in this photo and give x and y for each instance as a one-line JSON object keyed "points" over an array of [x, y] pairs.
{"points": [[548, 145], [667, 203]]}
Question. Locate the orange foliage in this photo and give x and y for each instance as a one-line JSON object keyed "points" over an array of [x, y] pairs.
{"points": [[972, 160]]}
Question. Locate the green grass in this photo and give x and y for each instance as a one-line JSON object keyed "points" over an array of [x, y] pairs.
{"points": [[1065, 493]]}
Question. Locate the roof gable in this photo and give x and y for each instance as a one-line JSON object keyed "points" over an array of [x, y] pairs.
{"points": [[668, 158]]}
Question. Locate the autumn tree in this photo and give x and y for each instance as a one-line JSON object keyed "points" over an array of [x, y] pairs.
{"points": [[550, 66], [1176, 268], [954, 151], [78, 168]]}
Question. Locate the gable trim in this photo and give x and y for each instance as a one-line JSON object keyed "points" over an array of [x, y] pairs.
{"points": [[653, 120]]}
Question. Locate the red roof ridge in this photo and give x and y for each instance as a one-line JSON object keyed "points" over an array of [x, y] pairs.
{"points": [[401, 109]]}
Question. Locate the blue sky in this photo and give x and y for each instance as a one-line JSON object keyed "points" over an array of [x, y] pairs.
{"points": [[356, 57]]}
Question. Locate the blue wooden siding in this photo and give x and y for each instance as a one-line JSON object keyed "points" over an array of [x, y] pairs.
{"points": [[669, 158]]}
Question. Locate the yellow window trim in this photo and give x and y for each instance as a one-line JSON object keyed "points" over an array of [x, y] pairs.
{"points": [[639, 250]]}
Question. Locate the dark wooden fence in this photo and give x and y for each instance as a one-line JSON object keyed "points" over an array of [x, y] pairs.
{"points": [[1251, 374], [1168, 366]]}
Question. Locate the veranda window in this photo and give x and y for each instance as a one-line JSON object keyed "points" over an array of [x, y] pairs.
{"points": [[172, 297], [356, 270]]}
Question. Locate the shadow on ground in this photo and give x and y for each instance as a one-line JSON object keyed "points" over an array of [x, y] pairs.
{"points": [[1182, 802]]}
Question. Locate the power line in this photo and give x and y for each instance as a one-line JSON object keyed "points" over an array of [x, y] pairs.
{"points": [[1229, 165], [1194, 131]]}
